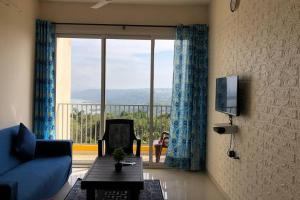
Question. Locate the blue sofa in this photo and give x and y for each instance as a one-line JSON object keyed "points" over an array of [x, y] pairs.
{"points": [[36, 179]]}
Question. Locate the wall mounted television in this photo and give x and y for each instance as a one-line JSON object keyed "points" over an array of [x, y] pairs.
{"points": [[227, 95]]}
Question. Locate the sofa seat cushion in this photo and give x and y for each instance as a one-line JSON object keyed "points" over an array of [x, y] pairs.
{"points": [[39, 178]]}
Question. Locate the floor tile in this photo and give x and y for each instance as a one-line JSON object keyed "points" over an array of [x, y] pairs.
{"points": [[176, 184]]}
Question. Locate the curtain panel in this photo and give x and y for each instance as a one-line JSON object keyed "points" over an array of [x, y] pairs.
{"points": [[44, 95], [187, 144]]}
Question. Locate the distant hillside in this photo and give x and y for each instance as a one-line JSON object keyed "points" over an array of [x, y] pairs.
{"points": [[124, 96]]}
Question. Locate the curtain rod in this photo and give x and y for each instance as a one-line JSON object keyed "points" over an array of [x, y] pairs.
{"points": [[122, 25]]}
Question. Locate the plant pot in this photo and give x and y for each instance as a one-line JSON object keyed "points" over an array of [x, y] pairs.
{"points": [[118, 167]]}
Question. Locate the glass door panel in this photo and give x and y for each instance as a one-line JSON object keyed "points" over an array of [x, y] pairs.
{"points": [[128, 85], [78, 75], [163, 77]]}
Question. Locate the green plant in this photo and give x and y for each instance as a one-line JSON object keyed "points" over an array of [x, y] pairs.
{"points": [[119, 154]]}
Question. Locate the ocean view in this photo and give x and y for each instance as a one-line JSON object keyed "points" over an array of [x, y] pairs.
{"points": [[162, 96]]}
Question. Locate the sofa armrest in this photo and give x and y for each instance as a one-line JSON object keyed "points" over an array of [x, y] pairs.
{"points": [[49, 148], [8, 190]]}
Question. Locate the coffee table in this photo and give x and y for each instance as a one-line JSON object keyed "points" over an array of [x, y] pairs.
{"points": [[102, 176]]}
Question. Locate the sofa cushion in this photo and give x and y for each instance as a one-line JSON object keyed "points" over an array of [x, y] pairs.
{"points": [[25, 143], [7, 150], [39, 178]]}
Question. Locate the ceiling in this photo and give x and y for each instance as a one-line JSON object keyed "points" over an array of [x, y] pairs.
{"points": [[148, 2]]}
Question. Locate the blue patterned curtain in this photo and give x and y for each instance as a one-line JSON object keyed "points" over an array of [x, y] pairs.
{"points": [[187, 142], [44, 98]]}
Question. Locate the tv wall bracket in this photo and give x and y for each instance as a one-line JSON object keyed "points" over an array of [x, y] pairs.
{"points": [[228, 128], [225, 128]]}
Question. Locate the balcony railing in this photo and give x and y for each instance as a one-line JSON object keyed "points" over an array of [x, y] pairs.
{"points": [[81, 122]]}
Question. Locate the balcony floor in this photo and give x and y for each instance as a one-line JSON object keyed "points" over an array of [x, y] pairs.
{"points": [[85, 154]]}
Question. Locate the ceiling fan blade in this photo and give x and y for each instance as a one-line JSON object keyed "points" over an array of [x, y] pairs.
{"points": [[101, 4]]}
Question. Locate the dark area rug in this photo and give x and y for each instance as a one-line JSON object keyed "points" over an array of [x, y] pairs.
{"points": [[152, 191]]}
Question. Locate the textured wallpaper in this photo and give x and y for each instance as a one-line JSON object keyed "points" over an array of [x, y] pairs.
{"points": [[260, 42]]}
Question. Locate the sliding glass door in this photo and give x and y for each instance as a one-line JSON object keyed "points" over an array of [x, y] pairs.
{"points": [[99, 79]]}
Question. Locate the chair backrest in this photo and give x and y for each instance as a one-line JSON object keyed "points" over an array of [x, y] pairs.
{"points": [[119, 133]]}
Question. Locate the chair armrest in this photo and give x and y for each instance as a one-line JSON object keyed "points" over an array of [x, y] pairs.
{"points": [[49, 148], [100, 146], [138, 148], [8, 190]]}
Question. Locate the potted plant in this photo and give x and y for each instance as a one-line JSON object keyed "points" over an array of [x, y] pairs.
{"points": [[118, 155]]}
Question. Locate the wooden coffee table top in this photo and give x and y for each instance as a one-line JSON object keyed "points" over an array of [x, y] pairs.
{"points": [[102, 175]]}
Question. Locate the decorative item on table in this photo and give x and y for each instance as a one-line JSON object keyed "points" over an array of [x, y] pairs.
{"points": [[118, 155]]}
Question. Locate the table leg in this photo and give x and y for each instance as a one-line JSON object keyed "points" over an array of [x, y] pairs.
{"points": [[135, 194], [90, 194]]}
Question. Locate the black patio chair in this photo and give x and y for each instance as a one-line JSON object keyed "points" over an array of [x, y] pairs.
{"points": [[119, 133]]}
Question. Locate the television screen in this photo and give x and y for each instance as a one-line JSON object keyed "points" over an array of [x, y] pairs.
{"points": [[227, 95]]}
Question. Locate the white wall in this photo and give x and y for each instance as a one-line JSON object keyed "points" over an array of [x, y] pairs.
{"points": [[17, 41]]}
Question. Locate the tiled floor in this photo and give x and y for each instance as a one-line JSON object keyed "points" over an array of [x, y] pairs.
{"points": [[176, 184]]}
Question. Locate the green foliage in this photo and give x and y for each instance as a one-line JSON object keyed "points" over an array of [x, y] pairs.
{"points": [[119, 154], [85, 127]]}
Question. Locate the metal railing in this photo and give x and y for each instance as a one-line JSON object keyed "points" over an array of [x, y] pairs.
{"points": [[81, 122]]}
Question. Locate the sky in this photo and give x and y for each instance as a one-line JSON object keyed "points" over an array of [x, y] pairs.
{"points": [[127, 67]]}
